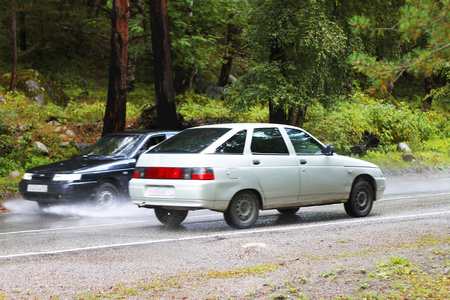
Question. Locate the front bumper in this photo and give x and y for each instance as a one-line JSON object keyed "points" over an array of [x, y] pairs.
{"points": [[58, 191], [381, 187]]}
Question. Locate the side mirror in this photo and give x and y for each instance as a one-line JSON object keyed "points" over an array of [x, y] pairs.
{"points": [[329, 150]]}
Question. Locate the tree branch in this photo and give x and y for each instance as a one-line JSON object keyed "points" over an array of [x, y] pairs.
{"points": [[82, 31]]}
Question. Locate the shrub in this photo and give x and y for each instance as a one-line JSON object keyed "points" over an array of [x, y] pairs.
{"points": [[346, 122]]}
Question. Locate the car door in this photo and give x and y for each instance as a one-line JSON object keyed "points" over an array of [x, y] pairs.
{"points": [[275, 169], [323, 177]]}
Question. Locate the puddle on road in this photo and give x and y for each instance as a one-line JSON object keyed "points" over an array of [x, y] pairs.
{"points": [[75, 210]]}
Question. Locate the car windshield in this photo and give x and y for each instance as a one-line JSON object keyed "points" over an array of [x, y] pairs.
{"points": [[113, 146], [190, 141]]}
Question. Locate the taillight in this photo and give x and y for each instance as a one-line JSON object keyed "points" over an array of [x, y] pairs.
{"points": [[174, 173]]}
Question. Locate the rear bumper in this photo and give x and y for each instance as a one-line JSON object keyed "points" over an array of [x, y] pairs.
{"points": [[186, 195]]}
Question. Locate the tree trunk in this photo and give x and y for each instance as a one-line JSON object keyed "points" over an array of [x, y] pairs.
{"points": [[14, 42], [228, 56], [115, 113], [162, 57], [22, 29], [428, 88], [95, 9], [277, 113]]}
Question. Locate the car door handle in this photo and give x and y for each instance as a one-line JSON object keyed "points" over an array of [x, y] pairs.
{"points": [[256, 162], [303, 161]]}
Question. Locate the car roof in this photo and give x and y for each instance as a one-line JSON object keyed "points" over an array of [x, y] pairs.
{"points": [[242, 125], [141, 132]]}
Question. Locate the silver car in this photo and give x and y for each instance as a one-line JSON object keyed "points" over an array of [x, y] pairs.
{"points": [[239, 169]]}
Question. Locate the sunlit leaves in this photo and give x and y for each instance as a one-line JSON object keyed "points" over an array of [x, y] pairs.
{"points": [[424, 37], [311, 55]]}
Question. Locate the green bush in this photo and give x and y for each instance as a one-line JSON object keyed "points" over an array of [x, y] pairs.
{"points": [[345, 123], [193, 106], [82, 112]]}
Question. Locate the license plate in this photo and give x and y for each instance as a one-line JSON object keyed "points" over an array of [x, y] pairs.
{"points": [[39, 188], [166, 191]]}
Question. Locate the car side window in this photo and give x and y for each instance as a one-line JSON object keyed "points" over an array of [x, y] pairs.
{"points": [[303, 143], [153, 141], [235, 145], [268, 141]]}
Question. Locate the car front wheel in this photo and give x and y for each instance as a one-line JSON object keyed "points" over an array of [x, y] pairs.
{"points": [[170, 217], [106, 195], [44, 205], [243, 210], [361, 200]]}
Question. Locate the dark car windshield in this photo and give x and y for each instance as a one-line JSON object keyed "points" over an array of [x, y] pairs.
{"points": [[190, 141], [113, 146]]}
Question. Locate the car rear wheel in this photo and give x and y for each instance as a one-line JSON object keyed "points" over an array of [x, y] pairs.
{"points": [[243, 210], [170, 217], [106, 195], [361, 200], [288, 211]]}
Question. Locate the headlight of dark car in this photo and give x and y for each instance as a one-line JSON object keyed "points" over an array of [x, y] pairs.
{"points": [[66, 177]]}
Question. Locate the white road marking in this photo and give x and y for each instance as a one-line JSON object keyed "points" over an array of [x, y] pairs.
{"points": [[413, 196], [225, 234], [194, 217]]}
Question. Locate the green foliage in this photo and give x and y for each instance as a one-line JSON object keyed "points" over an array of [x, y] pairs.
{"points": [[194, 106], [57, 34], [410, 280], [200, 106], [197, 29], [86, 112], [345, 123], [441, 95], [298, 54], [22, 122], [423, 30], [17, 109]]}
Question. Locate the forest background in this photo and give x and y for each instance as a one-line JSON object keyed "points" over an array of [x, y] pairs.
{"points": [[348, 71]]}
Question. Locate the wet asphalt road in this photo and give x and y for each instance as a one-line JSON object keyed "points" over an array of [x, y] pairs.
{"points": [[28, 233]]}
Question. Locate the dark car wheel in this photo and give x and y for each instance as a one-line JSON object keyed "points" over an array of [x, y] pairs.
{"points": [[361, 200], [243, 210], [106, 195], [288, 211], [170, 217], [44, 205]]}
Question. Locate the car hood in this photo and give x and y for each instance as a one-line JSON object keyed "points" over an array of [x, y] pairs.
{"points": [[354, 162], [80, 164]]}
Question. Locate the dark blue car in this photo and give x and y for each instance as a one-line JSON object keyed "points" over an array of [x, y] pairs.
{"points": [[99, 175]]}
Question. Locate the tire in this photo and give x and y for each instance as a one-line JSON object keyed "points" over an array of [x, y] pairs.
{"points": [[243, 210], [106, 195], [44, 205], [361, 200], [170, 217], [288, 211]]}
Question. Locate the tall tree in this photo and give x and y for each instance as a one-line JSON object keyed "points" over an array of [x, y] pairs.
{"points": [[298, 54], [115, 113], [232, 43], [162, 61], [22, 28], [423, 29], [14, 44]]}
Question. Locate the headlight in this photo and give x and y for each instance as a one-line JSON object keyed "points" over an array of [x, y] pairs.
{"points": [[27, 176], [66, 177]]}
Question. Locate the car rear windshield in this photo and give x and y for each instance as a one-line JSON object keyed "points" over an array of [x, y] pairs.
{"points": [[190, 141]]}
